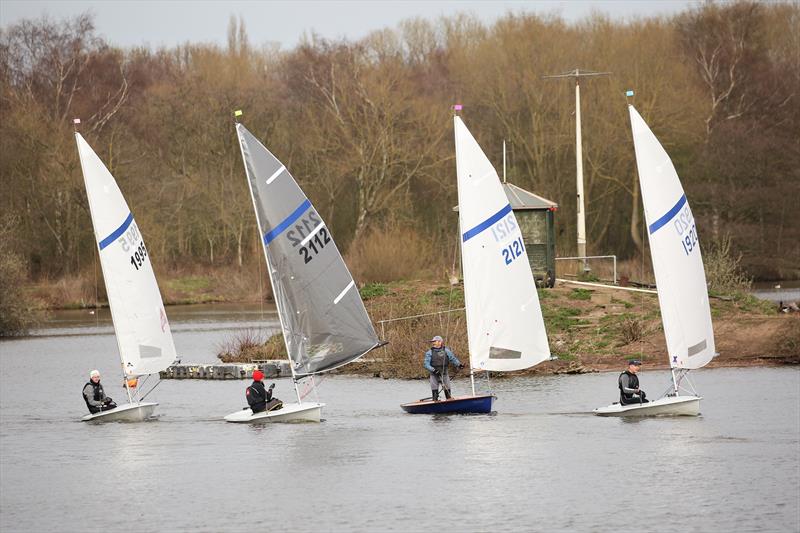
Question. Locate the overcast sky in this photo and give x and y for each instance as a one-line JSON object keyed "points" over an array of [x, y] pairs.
{"points": [[169, 22]]}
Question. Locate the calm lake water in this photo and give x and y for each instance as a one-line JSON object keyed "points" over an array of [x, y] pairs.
{"points": [[778, 291], [541, 463]]}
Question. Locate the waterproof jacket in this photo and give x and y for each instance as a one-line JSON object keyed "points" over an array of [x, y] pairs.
{"points": [[258, 396], [436, 359], [93, 395]]}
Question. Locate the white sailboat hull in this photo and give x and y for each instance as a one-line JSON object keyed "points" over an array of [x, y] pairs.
{"points": [[290, 412], [667, 406], [129, 412]]}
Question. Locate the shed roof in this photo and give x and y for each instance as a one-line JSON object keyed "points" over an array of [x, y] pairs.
{"points": [[520, 199]]}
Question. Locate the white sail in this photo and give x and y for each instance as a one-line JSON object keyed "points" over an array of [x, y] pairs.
{"points": [[140, 322], [505, 327], [675, 250]]}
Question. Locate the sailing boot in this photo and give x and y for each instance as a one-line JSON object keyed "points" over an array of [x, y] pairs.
{"points": [[435, 395], [447, 393]]}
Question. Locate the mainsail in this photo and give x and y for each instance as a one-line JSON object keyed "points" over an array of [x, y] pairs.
{"points": [[505, 327], [325, 324], [675, 250], [141, 326]]}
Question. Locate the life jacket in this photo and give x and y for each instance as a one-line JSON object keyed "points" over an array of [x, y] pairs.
{"points": [[439, 358], [97, 395], [633, 383]]}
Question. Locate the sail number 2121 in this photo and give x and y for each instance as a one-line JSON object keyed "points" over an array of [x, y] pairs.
{"points": [[513, 250]]}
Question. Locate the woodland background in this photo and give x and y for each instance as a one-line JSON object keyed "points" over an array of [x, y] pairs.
{"points": [[365, 126]]}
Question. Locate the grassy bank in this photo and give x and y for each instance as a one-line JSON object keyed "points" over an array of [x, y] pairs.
{"points": [[178, 287], [588, 329]]}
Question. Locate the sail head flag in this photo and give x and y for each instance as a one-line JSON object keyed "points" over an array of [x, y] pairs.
{"points": [[140, 322], [325, 324], [505, 327], [675, 251]]}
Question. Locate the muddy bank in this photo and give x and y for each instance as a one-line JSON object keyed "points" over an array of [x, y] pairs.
{"points": [[589, 329]]}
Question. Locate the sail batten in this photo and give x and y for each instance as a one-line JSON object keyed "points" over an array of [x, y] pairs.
{"points": [[140, 323], [505, 327], [675, 252], [324, 321]]}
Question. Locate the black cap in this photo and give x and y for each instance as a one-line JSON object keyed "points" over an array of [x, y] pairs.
{"points": [[635, 362]]}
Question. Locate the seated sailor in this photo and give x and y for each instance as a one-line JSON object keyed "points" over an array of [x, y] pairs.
{"points": [[94, 395], [629, 391], [260, 399]]}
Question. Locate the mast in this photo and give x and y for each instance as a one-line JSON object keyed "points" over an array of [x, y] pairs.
{"points": [[581, 223], [266, 257], [456, 109], [75, 122]]}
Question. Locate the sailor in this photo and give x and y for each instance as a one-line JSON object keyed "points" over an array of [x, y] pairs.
{"points": [[259, 398], [95, 397], [436, 363], [629, 391]]}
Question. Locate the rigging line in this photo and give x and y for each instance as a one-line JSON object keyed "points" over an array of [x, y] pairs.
{"points": [[151, 390], [96, 303], [450, 297], [641, 295], [311, 385]]}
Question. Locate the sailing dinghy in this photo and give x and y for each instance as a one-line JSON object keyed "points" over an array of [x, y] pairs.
{"points": [[680, 277], [505, 328], [140, 323], [323, 319]]}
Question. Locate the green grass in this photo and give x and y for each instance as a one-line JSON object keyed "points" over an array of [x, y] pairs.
{"points": [[373, 290], [580, 294], [560, 319], [448, 295], [545, 294], [189, 284], [627, 304]]}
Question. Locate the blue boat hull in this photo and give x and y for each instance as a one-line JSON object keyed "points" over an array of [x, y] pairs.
{"points": [[460, 405]]}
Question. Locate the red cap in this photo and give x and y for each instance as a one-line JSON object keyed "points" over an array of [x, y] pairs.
{"points": [[258, 375]]}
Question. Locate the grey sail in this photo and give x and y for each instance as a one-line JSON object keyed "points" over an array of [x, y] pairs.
{"points": [[325, 324]]}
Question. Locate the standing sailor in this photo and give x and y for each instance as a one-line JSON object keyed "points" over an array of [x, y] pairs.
{"points": [[94, 395], [629, 392], [436, 363]]}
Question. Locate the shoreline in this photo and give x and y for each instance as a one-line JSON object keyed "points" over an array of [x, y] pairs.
{"points": [[589, 329]]}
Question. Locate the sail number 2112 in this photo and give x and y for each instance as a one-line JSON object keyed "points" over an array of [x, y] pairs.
{"points": [[298, 236]]}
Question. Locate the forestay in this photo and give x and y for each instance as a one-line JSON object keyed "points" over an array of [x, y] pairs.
{"points": [[325, 324], [140, 322], [675, 250], [504, 320]]}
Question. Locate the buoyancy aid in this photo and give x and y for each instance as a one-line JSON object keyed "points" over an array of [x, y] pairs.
{"points": [[439, 358], [633, 383]]}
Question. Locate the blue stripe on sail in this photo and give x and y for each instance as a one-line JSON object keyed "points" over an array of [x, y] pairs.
{"points": [[117, 232], [280, 228], [486, 223], [655, 226]]}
